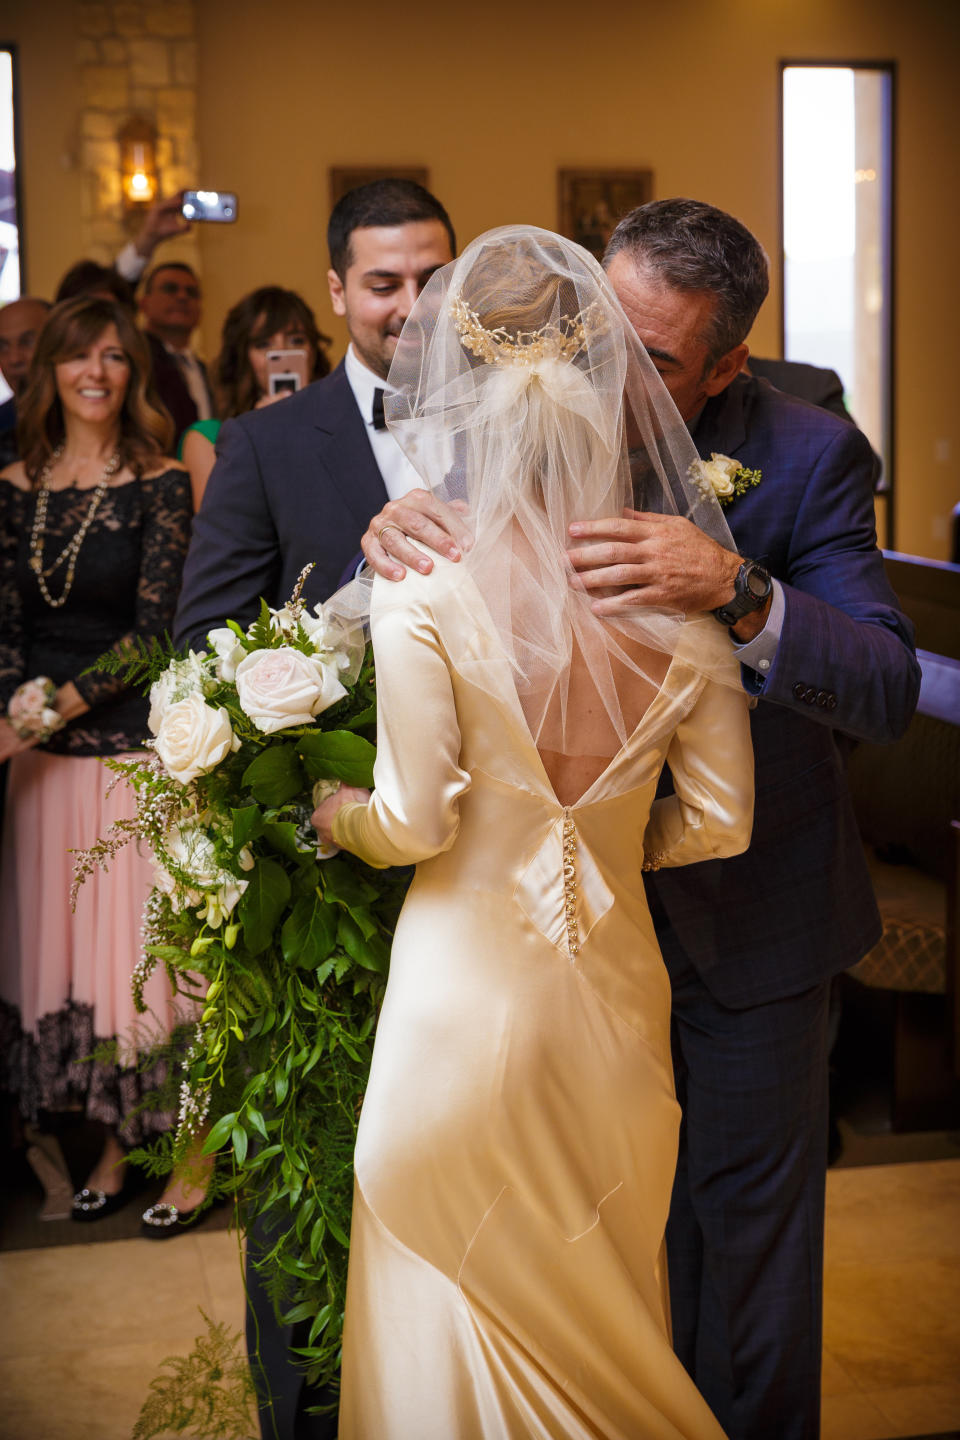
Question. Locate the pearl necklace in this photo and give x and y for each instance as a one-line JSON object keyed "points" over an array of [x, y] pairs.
{"points": [[71, 550]]}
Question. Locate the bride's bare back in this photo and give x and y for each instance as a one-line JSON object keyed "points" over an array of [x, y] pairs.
{"points": [[590, 737]]}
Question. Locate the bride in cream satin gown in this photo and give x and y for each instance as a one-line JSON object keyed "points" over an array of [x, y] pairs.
{"points": [[519, 1134], [518, 1139]]}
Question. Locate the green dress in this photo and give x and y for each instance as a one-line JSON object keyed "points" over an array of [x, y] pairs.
{"points": [[209, 429]]}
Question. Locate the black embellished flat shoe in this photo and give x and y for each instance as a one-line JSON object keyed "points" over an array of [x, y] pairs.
{"points": [[162, 1222], [97, 1204]]}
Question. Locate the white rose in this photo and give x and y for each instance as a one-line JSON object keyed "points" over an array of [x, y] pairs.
{"points": [[180, 679], [718, 477], [283, 687], [730, 468], [228, 650], [193, 737]]}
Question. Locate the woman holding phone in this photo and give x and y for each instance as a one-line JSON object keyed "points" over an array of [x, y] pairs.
{"points": [[267, 320]]}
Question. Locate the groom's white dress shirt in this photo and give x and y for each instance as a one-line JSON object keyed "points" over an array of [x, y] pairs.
{"points": [[399, 476]]}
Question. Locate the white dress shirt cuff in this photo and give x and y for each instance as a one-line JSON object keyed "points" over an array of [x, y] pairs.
{"points": [[130, 264], [759, 653]]}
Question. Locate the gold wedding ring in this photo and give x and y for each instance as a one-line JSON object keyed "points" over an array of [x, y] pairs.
{"points": [[390, 525]]}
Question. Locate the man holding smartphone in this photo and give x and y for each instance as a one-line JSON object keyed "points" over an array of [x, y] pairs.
{"points": [[170, 306], [297, 483]]}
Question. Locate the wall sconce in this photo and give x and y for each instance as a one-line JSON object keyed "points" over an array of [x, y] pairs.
{"points": [[138, 163]]}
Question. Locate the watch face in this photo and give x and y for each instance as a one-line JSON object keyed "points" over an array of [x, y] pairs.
{"points": [[758, 583]]}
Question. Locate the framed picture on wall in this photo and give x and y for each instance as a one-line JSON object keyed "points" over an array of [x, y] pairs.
{"points": [[590, 202], [348, 177]]}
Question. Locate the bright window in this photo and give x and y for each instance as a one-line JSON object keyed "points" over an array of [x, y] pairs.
{"points": [[837, 227]]}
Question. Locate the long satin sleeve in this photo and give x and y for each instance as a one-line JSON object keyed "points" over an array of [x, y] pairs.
{"points": [[710, 814], [413, 812]]}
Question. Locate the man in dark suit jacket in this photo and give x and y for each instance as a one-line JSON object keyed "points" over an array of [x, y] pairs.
{"points": [[20, 324], [813, 383], [750, 943], [295, 483], [170, 306], [298, 481]]}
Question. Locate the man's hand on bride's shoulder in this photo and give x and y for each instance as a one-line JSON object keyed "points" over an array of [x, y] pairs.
{"points": [[639, 558], [431, 522]]}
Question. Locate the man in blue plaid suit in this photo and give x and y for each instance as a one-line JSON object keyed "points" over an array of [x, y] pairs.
{"points": [[751, 942]]}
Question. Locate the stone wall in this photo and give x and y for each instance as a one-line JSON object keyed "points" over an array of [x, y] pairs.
{"points": [[135, 57]]}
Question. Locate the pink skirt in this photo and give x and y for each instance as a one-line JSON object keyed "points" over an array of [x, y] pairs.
{"points": [[56, 963]]}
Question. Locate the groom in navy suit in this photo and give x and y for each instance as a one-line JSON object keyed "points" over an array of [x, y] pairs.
{"points": [[750, 943], [297, 482]]}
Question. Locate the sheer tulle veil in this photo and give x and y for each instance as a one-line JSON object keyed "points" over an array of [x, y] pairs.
{"points": [[519, 389]]}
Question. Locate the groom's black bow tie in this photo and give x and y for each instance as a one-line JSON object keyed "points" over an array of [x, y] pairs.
{"points": [[379, 420]]}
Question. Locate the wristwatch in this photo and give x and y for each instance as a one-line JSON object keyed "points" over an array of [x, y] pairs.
{"points": [[751, 590]]}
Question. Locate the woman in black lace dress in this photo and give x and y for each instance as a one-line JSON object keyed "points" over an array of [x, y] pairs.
{"points": [[94, 526]]}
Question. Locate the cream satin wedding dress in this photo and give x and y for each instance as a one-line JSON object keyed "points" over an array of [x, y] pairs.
{"points": [[519, 1134]]}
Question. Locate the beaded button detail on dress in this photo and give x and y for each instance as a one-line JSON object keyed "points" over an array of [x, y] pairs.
{"points": [[570, 882]]}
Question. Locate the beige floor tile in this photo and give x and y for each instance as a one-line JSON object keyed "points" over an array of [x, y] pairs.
{"points": [[835, 1380], [854, 1417], [85, 1328], [79, 1394], [123, 1291], [223, 1273], [893, 1324], [907, 1212], [892, 1275], [921, 1409]]}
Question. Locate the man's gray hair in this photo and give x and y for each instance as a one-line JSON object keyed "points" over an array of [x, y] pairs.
{"points": [[693, 246]]}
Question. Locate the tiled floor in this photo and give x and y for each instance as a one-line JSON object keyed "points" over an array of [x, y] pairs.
{"points": [[892, 1312], [83, 1328]]}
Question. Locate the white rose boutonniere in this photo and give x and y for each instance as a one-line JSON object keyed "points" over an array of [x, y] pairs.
{"points": [[723, 477], [193, 737], [284, 687]]}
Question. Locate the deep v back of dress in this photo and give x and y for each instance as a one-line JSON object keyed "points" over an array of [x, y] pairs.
{"points": [[592, 743]]}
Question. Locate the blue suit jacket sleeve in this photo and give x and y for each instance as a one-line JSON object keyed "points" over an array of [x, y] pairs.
{"points": [[845, 656], [234, 556]]}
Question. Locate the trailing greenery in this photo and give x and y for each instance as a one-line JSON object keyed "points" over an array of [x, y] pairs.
{"points": [[207, 1394], [285, 953]]}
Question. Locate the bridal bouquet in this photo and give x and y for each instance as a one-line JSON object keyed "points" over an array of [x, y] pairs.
{"points": [[284, 950]]}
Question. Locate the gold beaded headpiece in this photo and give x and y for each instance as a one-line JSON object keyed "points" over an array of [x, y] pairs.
{"points": [[560, 340]]}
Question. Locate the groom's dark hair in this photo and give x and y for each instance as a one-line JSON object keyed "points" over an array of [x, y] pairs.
{"points": [[382, 202], [693, 246]]}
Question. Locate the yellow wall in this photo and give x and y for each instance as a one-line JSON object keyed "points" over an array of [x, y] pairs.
{"points": [[494, 96], [45, 34]]}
